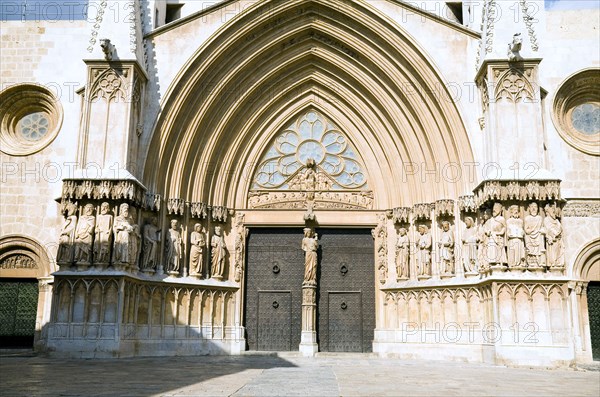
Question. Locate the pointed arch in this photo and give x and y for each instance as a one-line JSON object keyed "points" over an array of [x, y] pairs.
{"points": [[277, 58]]}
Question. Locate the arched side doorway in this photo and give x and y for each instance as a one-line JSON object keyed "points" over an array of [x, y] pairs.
{"points": [[24, 277], [586, 301]]}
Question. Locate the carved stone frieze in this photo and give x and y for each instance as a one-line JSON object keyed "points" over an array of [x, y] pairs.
{"points": [[199, 210], [444, 207], [18, 262], [152, 202], [517, 190], [103, 189], [176, 206], [362, 200], [584, 209], [219, 214], [423, 211], [401, 214], [467, 203]]}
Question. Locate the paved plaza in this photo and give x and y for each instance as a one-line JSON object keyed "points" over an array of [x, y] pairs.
{"points": [[284, 375]]}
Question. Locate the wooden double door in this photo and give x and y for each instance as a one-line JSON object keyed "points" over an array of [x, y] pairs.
{"points": [[345, 293]]}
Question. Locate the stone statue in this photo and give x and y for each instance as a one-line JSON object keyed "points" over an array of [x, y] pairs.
{"points": [[424, 256], [555, 254], [173, 248], [197, 245], [67, 233], [514, 48], [402, 254], [124, 235], [470, 238], [534, 237], [84, 236], [218, 252], [483, 237], [102, 241], [151, 237], [310, 179], [310, 245], [495, 230], [515, 234], [446, 247]]}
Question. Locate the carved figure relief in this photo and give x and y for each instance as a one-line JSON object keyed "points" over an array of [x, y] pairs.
{"points": [[125, 246], [240, 246], [218, 253], [402, 254], [84, 236], [515, 235], [197, 245], [534, 237], [67, 234], [102, 241], [555, 250], [470, 238], [424, 255], [310, 245], [151, 238], [446, 247], [495, 230], [380, 235], [173, 248]]}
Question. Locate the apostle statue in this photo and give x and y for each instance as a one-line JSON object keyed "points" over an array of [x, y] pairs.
{"points": [[197, 245], [173, 248], [402, 254], [555, 254], [310, 245], [102, 241], [515, 234], [84, 236], [470, 238], [534, 237], [151, 238], [424, 255], [67, 233], [124, 235], [446, 247], [495, 230], [217, 255]]}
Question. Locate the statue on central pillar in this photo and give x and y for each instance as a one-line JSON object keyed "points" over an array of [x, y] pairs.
{"points": [[310, 245]]}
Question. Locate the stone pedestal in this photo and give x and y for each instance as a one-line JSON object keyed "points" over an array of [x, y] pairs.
{"points": [[308, 339]]}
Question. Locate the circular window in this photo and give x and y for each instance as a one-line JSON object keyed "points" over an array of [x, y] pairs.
{"points": [[576, 112], [30, 118]]}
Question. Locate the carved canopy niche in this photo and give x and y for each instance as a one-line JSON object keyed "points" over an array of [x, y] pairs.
{"points": [[311, 159]]}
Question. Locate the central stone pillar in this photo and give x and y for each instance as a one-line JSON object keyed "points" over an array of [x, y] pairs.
{"points": [[308, 338], [308, 341]]}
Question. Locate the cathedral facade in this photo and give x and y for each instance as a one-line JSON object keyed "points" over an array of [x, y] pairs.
{"points": [[413, 180]]}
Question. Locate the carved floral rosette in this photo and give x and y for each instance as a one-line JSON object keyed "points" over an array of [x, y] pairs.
{"points": [[494, 190], [176, 206], [129, 190]]}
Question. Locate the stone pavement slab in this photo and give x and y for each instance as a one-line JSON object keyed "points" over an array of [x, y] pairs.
{"points": [[284, 375]]}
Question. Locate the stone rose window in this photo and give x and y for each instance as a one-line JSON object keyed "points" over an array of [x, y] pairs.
{"points": [[576, 111], [310, 139], [30, 119]]}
